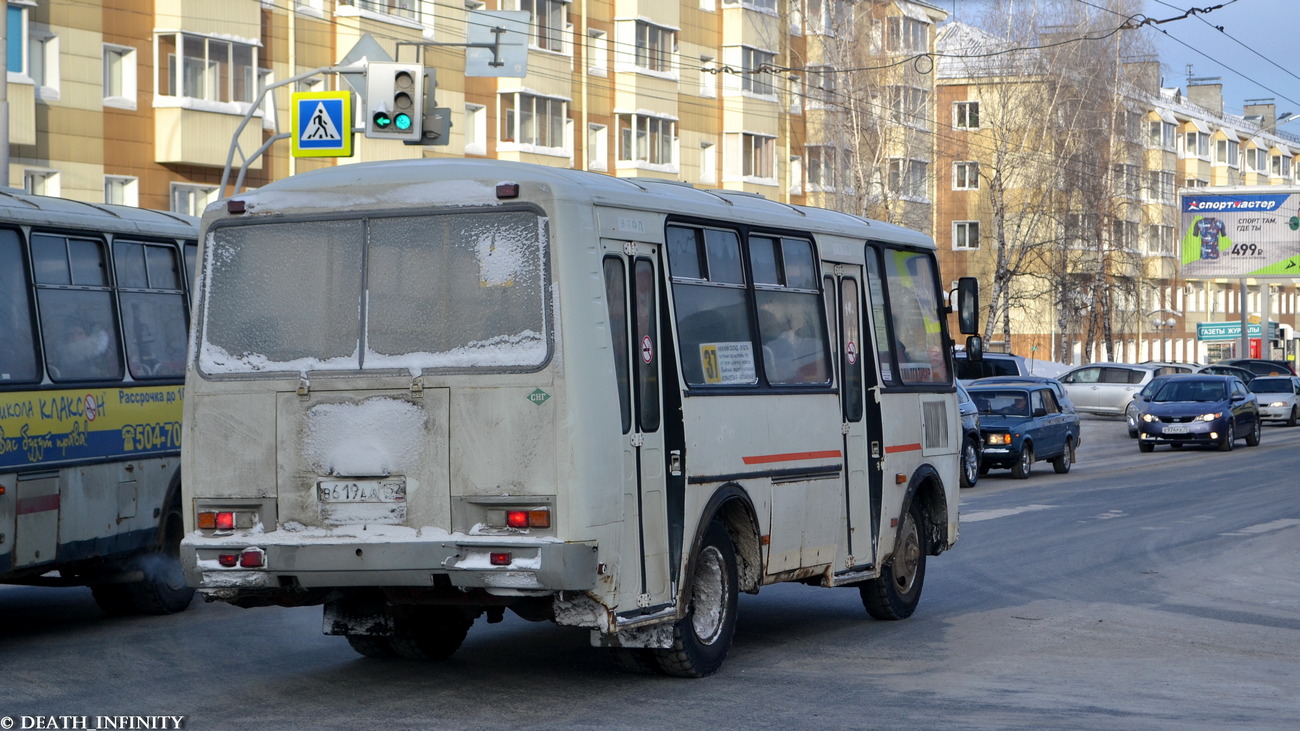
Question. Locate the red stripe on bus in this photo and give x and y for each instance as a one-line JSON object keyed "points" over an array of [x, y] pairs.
{"points": [[37, 504], [792, 457], [902, 448]]}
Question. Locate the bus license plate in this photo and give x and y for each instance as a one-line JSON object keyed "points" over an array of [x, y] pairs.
{"points": [[361, 491], [1174, 430]]}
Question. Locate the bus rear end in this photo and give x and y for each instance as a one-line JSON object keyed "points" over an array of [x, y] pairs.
{"points": [[368, 424]]}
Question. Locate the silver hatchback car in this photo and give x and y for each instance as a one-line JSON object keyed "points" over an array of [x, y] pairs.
{"points": [[1107, 388], [1278, 397]]}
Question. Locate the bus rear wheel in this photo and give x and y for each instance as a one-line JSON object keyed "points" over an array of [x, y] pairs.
{"points": [[163, 589], [702, 637], [433, 633], [898, 590]]}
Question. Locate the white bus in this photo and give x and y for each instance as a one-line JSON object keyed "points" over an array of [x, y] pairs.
{"points": [[425, 391], [94, 310]]}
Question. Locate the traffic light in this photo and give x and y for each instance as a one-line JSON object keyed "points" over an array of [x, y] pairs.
{"points": [[394, 101]]}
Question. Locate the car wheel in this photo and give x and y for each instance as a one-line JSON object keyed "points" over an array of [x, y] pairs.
{"points": [[1021, 469], [1229, 438], [970, 464], [1252, 439], [1130, 415], [1147, 447], [1291, 420], [1062, 464]]}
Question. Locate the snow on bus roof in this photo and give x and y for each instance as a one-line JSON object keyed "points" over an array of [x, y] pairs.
{"points": [[464, 182]]}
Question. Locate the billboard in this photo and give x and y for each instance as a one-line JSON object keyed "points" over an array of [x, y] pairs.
{"points": [[1241, 232]]}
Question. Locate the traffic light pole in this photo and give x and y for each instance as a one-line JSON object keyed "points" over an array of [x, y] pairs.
{"points": [[249, 116]]}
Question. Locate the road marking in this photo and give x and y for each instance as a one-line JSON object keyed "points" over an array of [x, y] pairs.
{"points": [[1255, 530], [1001, 513]]}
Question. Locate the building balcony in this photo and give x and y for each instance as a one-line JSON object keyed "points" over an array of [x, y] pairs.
{"points": [[188, 136]]}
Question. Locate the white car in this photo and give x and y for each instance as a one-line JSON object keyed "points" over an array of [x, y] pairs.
{"points": [[1107, 388], [1277, 398]]}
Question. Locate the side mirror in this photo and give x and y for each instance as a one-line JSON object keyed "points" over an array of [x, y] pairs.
{"points": [[974, 349], [968, 305], [1237, 397]]}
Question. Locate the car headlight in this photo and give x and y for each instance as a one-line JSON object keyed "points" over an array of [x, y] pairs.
{"points": [[998, 439], [1278, 404], [1148, 418], [1211, 416]]}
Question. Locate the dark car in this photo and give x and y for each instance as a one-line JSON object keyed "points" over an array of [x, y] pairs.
{"points": [[1021, 424], [1199, 409], [991, 364], [1261, 367], [971, 441], [1228, 370], [1062, 397]]}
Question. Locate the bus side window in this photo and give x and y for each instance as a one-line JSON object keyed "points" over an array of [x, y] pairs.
{"points": [[790, 322], [915, 318], [713, 318], [152, 297], [76, 308], [616, 301], [17, 341]]}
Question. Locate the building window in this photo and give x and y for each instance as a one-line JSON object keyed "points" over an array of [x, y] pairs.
{"points": [[821, 86], [966, 115], [16, 35], [1256, 160], [796, 94], [965, 176], [535, 121], [1163, 134], [597, 52], [907, 178], [965, 235], [757, 71], [819, 14], [908, 35], [765, 5], [41, 182], [908, 105], [1280, 166], [43, 64], [192, 199], [645, 139], [654, 47], [824, 167], [475, 129], [751, 156], [708, 163], [1197, 144], [1227, 152], [121, 191], [597, 147], [1161, 186], [119, 76], [211, 69], [398, 8], [796, 176], [549, 19], [1161, 240], [264, 79]]}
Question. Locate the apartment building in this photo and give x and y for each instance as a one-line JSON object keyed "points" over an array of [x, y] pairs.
{"points": [[1079, 209], [138, 103]]}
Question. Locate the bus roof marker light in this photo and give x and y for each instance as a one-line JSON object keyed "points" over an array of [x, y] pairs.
{"points": [[507, 190], [235, 205]]}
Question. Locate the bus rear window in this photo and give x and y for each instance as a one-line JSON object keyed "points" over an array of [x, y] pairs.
{"points": [[459, 290]]}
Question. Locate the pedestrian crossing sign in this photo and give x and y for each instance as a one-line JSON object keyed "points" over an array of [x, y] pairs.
{"points": [[322, 124]]}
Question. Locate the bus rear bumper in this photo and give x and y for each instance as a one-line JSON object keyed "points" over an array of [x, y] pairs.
{"points": [[259, 561]]}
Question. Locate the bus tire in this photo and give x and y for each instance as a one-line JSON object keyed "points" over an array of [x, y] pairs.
{"points": [[163, 589], [372, 646], [433, 633], [895, 594], [702, 637]]}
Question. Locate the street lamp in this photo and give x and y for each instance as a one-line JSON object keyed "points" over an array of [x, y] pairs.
{"points": [[1161, 325]]}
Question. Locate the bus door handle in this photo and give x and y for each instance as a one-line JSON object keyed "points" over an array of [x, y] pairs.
{"points": [[675, 463]]}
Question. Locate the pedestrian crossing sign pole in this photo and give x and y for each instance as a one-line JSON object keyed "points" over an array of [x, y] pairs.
{"points": [[322, 124]]}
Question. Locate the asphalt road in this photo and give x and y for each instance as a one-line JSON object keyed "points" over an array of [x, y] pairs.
{"points": [[1139, 591]]}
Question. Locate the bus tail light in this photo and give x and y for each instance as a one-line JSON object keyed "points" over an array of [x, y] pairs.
{"points": [[228, 559], [499, 558], [252, 558], [224, 520], [534, 518]]}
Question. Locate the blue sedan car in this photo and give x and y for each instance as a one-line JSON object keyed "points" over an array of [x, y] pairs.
{"points": [[1024, 423], [1199, 409]]}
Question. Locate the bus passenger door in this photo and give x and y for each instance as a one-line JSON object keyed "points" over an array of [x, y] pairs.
{"points": [[860, 414], [631, 285]]}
